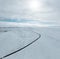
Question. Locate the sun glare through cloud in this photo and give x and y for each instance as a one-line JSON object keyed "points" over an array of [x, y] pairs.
{"points": [[34, 5]]}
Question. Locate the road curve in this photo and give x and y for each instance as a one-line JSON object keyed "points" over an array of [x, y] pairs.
{"points": [[39, 35]]}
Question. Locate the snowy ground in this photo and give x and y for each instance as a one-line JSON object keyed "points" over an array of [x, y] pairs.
{"points": [[47, 47]]}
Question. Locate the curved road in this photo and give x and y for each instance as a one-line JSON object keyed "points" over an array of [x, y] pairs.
{"points": [[39, 35]]}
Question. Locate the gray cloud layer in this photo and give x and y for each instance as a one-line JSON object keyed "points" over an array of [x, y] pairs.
{"points": [[49, 11]]}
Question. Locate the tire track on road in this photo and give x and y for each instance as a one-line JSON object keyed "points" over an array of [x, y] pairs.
{"points": [[39, 35]]}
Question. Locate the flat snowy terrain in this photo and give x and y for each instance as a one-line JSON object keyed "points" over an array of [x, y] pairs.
{"points": [[46, 47]]}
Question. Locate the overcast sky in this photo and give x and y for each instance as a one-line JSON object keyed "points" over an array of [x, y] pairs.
{"points": [[42, 10]]}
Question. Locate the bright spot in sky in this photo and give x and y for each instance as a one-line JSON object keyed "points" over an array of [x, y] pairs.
{"points": [[34, 5]]}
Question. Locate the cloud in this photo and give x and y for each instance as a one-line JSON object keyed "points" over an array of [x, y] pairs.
{"points": [[49, 10]]}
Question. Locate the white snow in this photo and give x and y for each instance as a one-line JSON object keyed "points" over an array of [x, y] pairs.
{"points": [[14, 39], [47, 47]]}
